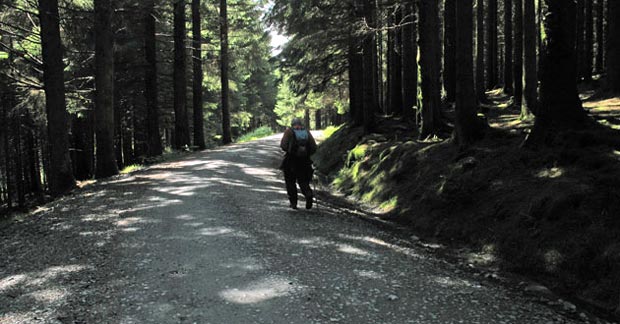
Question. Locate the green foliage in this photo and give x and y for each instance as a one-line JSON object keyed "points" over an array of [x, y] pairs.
{"points": [[329, 131], [132, 168], [4, 55], [256, 134]]}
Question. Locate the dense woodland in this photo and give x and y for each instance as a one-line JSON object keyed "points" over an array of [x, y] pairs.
{"points": [[91, 86]]}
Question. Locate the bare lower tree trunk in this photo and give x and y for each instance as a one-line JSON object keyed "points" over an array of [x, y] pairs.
{"points": [[104, 95], [355, 83], [449, 39], [468, 127], [396, 104], [492, 46], [613, 47], [560, 103], [410, 64], [480, 79], [588, 52], [508, 53], [227, 135], [199, 132], [530, 93], [600, 37], [60, 174], [430, 60], [181, 122], [150, 78], [518, 58]]}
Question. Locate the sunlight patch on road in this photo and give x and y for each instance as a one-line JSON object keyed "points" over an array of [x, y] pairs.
{"points": [[369, 274], [260, 291], [49, 295], [346, 248]]}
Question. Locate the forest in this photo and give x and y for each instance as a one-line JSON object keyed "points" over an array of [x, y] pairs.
{"points": [[435, 107]]}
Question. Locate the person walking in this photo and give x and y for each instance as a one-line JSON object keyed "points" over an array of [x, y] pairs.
{"points": [[299, 146]]}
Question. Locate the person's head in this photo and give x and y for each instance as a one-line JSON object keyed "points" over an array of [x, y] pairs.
{"points": [[297, 123]]}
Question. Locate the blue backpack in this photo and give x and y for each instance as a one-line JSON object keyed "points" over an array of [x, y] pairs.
{"points": [[301, 143]]}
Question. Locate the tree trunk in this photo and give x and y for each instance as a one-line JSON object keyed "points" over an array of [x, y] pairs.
{"points": [[560, 103], [181, 122], [580, 38], [317, 120], [154, 147], [19, 161], [480, 79], [395, 75], [430, 60], [508, 52], [61, 174], [613, 47], [83, 143], [468, 127], [449, 39], [600, 36], [307, 118], [369, 68], [409, 64], [588, 53], [518, 58], [226, 136], [492, 47], [356, 87], [199, 132], [104, 95], [529, 56]]}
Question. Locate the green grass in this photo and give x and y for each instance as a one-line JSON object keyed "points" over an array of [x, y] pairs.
{"points": [[132, 168], [256, 134], [329, 131]]}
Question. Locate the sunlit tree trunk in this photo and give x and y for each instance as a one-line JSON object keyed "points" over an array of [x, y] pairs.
{"points": [[60, 174]]}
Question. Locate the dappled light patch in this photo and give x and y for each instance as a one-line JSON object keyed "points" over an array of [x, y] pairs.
{"points": [[553, 259], [452, 282], [369, 274], [349, 249], [260, 291], [550, 173], [50, 295]]}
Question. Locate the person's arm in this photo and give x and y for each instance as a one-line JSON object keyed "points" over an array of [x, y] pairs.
{"points": [[286, 139]]}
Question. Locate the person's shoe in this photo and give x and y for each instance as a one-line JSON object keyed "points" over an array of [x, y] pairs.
{"points": [[309, 202], [293, 205]]}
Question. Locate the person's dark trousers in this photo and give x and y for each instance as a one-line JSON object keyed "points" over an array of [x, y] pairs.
{"points": [[298, 172]]}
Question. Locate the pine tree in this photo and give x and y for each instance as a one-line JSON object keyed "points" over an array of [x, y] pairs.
{"points": [[60, 171]]}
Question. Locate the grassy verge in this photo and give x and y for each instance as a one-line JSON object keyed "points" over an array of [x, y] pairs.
{"points": [[551, 213], [256, 134]]}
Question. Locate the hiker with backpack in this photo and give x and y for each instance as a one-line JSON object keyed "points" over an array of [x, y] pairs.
{"points": [[299, 146]]}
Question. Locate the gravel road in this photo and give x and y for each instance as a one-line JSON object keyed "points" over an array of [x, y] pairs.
{"points": [[209, 238]]}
